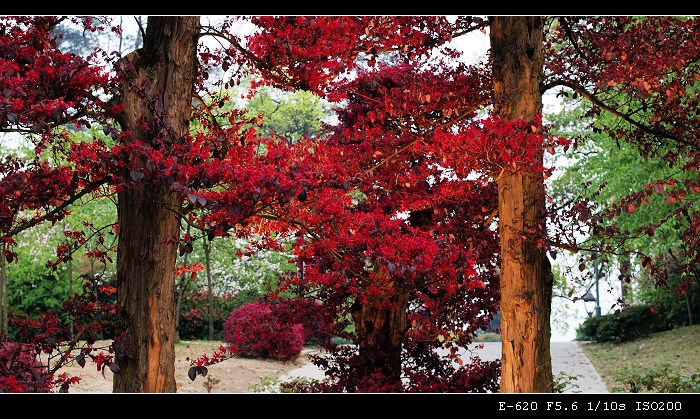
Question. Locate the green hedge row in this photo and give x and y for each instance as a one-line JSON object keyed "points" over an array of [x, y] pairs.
{"points": [[629, 324]]}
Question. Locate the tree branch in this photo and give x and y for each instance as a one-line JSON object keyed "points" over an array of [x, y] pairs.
{"points": [[34, 221], [591, 97]]}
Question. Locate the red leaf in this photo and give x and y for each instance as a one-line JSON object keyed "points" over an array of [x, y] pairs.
{"points": [[630, 208]]}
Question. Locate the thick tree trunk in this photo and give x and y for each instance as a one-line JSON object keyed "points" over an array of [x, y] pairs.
{"points": [[526, 278], [148, 227], [380, 329]]}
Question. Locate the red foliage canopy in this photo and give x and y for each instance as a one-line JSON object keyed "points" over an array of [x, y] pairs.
{"points": [[404, 182]]}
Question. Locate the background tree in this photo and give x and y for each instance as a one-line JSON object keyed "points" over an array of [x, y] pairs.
{"points": [[606, 171], [289, 115], [638, 98]]}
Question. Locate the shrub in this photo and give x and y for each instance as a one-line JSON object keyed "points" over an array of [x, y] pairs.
{"points": [[672, 306], [20, 371], [629, 324], [194, 320], [306, 311], [660, 380], [255, 331]]}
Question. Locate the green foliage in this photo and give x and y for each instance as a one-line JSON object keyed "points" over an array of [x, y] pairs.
{"points": [[33, 289], [487, 337], [629, 324], [565, 382], [656, 380], [270, 384], [239, 267], [194, 318], [239, 276], [210, 382], [562, 303], [289, 115], [607, 170], [671, 305]]}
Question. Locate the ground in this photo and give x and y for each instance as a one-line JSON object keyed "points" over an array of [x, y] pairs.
{"points": [[235, 375]]}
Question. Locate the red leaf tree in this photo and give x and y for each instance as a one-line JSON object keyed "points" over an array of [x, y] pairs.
{"points": [[600, 59], [393, 209], [162, 172]]}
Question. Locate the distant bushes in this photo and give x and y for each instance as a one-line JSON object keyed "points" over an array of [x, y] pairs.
{"points": [[631, 323], [659, 380], [194, 317]]}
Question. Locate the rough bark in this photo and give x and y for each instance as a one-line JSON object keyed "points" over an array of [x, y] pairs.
{"points": [[380, 330], [148, 228], [526, 278]]}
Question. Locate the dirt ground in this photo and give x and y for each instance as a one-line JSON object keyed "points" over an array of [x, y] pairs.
{"points": [[235, 375]]}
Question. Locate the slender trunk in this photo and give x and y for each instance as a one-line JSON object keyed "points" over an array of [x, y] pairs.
{"points": [[207, 260], [139, 39], [148, 227], [181, 290], [526, 278], [121, 37], [624, 280], [688, 305], [70, 287], [70, 292], [3, 293], [380, 329]]}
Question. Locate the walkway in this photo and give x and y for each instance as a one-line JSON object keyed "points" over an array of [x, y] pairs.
{"points": [[567, 359]]}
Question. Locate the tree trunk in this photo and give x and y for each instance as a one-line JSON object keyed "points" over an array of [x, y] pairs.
{"points": [[148, 228], [70, 294], [3, 293], [380, 329], [210, 294], [181, 290], [526, 278]]}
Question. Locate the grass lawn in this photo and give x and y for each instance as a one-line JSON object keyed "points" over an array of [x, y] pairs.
{"points": [[679, 349]]}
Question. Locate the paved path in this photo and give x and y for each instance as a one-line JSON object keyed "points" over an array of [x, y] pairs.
{"points": [[567, 358]]}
